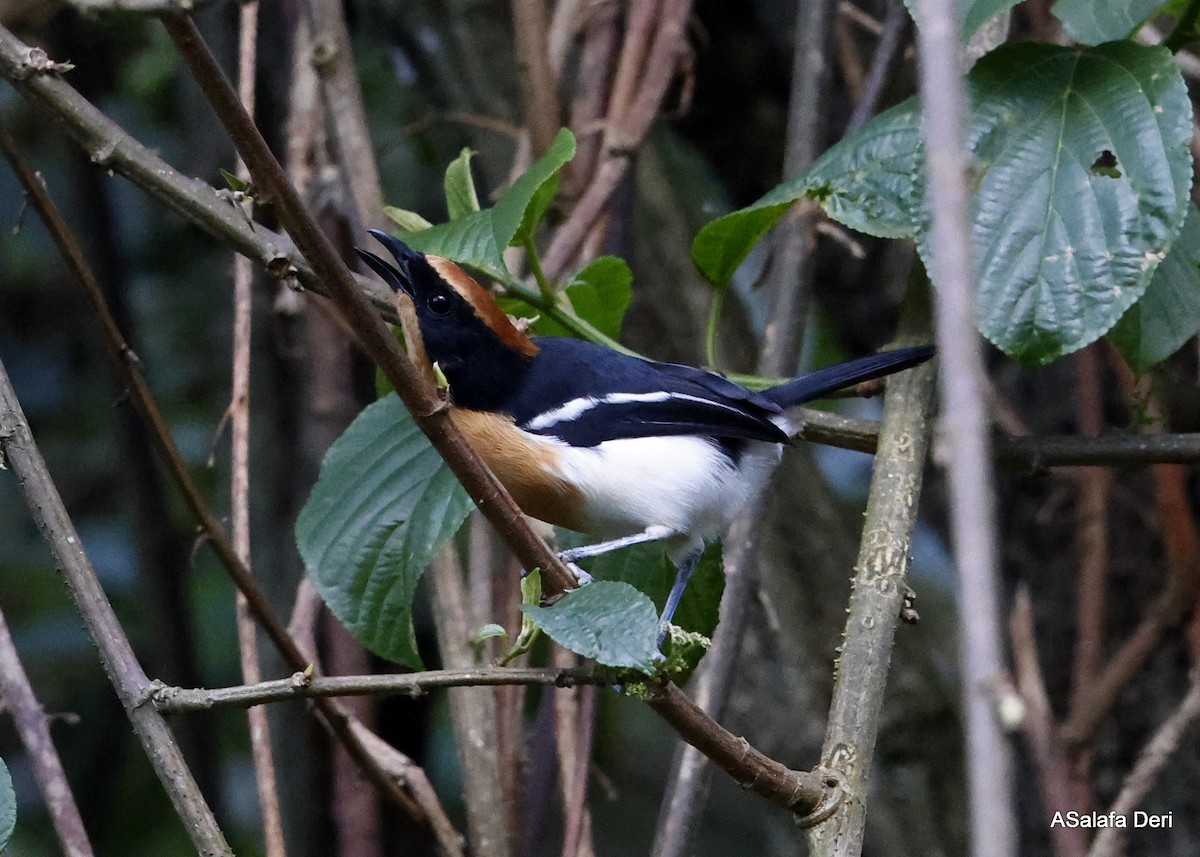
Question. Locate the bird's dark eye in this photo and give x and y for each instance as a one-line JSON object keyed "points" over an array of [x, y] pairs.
{"points": [[439, 304]]}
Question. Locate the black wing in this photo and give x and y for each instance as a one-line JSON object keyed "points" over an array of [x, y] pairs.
{"points": [[586, 394]]}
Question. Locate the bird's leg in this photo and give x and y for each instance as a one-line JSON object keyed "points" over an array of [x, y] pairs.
{"points": [[650, 534], [683, 573]]}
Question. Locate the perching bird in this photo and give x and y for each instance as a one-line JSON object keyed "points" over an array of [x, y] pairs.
{"points": [[597, 441]]}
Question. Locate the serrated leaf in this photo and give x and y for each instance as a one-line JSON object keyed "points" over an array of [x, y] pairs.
{"points": [[722, 245], [972, 14], [461, 199], [1081, 167], [648, 568], [408, 221], [8, 806], [599, 293], [384, 503], [871, 180], [470, 242], [1168, 315], [1063, 249], [610, 622], [523, 204], [1091, 22]]}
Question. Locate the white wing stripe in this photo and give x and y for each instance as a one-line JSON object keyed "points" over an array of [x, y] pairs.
{"points": [[576, 408]]}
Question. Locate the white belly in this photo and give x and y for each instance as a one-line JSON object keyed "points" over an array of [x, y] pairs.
{"points": [[686, 484]]}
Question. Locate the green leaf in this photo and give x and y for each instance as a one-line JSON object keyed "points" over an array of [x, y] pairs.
{"points": [[722, 245], [470, 242], [382, 506], [972, 14], [608, 621], [489, 631], [1168, 315], [871, 180], [235, 183], [461, 199], [1061, 246], [8, 806], [408, 221], [521, 208], [1091, 22], [1081, 173], [647, 567], [599, 293]]}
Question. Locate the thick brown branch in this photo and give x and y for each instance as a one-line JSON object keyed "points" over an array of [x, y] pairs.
{"points": [[813, 796]]}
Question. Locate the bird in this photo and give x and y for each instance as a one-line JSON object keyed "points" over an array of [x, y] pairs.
{"points": [[617, 447]]}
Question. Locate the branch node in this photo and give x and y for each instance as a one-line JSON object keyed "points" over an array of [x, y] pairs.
{"points": [[834, 795]]}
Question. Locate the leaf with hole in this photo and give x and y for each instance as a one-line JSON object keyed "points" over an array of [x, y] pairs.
{"points": [[1082, 173], [385, 502]]}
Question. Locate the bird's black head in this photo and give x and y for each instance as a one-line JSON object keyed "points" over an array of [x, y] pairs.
{"points": [[481, 352]]}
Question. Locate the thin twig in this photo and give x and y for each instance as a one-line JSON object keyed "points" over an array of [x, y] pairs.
{"points": [[965, 426], [539, 83], [1091, 531], [239, 488], [109, 147], [33, 728], [644, 72], [1168, 610], [473, 713], [1057, 783], [180, 700], [1110, 841], [883, 64], [120, 663]]}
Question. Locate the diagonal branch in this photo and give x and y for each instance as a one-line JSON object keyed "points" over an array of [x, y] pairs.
{"points": [[34, 730], [120, 663], [419, 396], [143, 399]]}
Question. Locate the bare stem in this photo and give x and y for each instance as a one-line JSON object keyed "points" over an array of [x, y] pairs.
{"points": [[239, 488], [473, 713], [1110, 841], [33, 729], [965, 428]]}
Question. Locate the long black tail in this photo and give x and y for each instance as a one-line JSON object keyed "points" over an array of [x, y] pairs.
{"points": [[817, 384]]}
